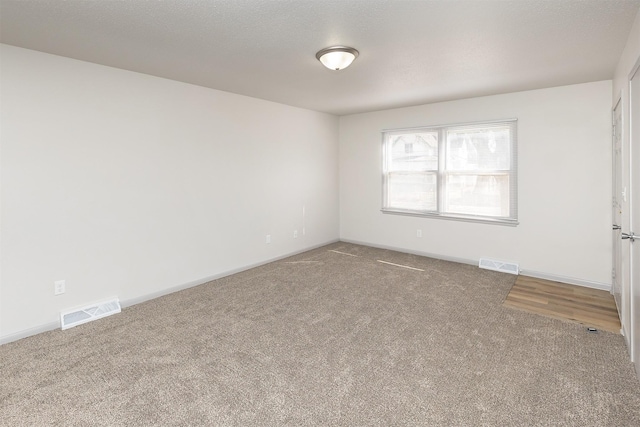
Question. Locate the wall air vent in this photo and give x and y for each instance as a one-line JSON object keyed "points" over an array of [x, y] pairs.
{"points": [[69, 319], [503, 267]]}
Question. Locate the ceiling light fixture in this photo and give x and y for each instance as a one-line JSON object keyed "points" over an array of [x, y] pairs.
{"points": [[337, 57]]}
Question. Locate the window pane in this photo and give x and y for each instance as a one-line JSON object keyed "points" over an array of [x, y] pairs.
{"points": [[485, 148], [461, 170], [486, 195], [412, 191], [414, 152]]}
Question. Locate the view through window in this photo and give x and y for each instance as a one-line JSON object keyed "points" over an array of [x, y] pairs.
{"points": [[465, 172]]}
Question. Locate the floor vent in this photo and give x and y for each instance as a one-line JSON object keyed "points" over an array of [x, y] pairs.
{"points": [[69, 319], [504, 267]]}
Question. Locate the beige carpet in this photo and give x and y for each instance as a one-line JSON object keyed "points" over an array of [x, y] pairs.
{"points": [[325, 339]]}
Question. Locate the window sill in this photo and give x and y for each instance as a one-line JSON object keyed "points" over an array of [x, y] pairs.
{"points": [[453, 217]]}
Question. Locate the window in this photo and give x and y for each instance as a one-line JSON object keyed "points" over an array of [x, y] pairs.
{"points": [[465, 172]]}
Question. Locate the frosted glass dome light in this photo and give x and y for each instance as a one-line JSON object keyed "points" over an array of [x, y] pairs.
{"points": [[337, 57]]}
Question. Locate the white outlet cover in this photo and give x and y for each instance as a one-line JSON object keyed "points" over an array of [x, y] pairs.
{"points": [[59, 287]]}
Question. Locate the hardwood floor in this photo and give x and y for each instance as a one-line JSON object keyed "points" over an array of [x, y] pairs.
{"points": [[590, 307]]}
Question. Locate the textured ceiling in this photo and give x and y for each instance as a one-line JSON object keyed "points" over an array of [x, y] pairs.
{"points": [[411, 52]]}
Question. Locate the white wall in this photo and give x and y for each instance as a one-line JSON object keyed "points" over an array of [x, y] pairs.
{"points": [[628, 59], [129, 185], [564, 184]]}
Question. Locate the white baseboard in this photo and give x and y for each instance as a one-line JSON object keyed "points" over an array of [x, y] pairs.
{"points": [[414, 252], [133, 301], [536, 274], [137, 300], [29, 332], [569, 280]]}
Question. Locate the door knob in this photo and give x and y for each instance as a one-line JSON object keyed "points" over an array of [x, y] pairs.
{"points": [[630, 236]]}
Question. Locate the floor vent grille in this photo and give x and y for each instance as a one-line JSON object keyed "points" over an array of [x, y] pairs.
{"points": [[69, 319], [504, 267]]}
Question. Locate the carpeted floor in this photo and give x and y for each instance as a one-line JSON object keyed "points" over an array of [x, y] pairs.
{"points": [[325, 339]]}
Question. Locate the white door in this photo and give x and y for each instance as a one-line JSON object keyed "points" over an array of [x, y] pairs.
{"points": [[634, 202], [616, 275]]}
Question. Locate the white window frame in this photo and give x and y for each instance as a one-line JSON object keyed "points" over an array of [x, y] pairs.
{"points": [[511, 219]]}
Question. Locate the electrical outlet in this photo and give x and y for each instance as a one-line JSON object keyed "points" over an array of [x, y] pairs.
{"points": [[59, 287], [268, 239], [418, 233], [295, 234]]}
